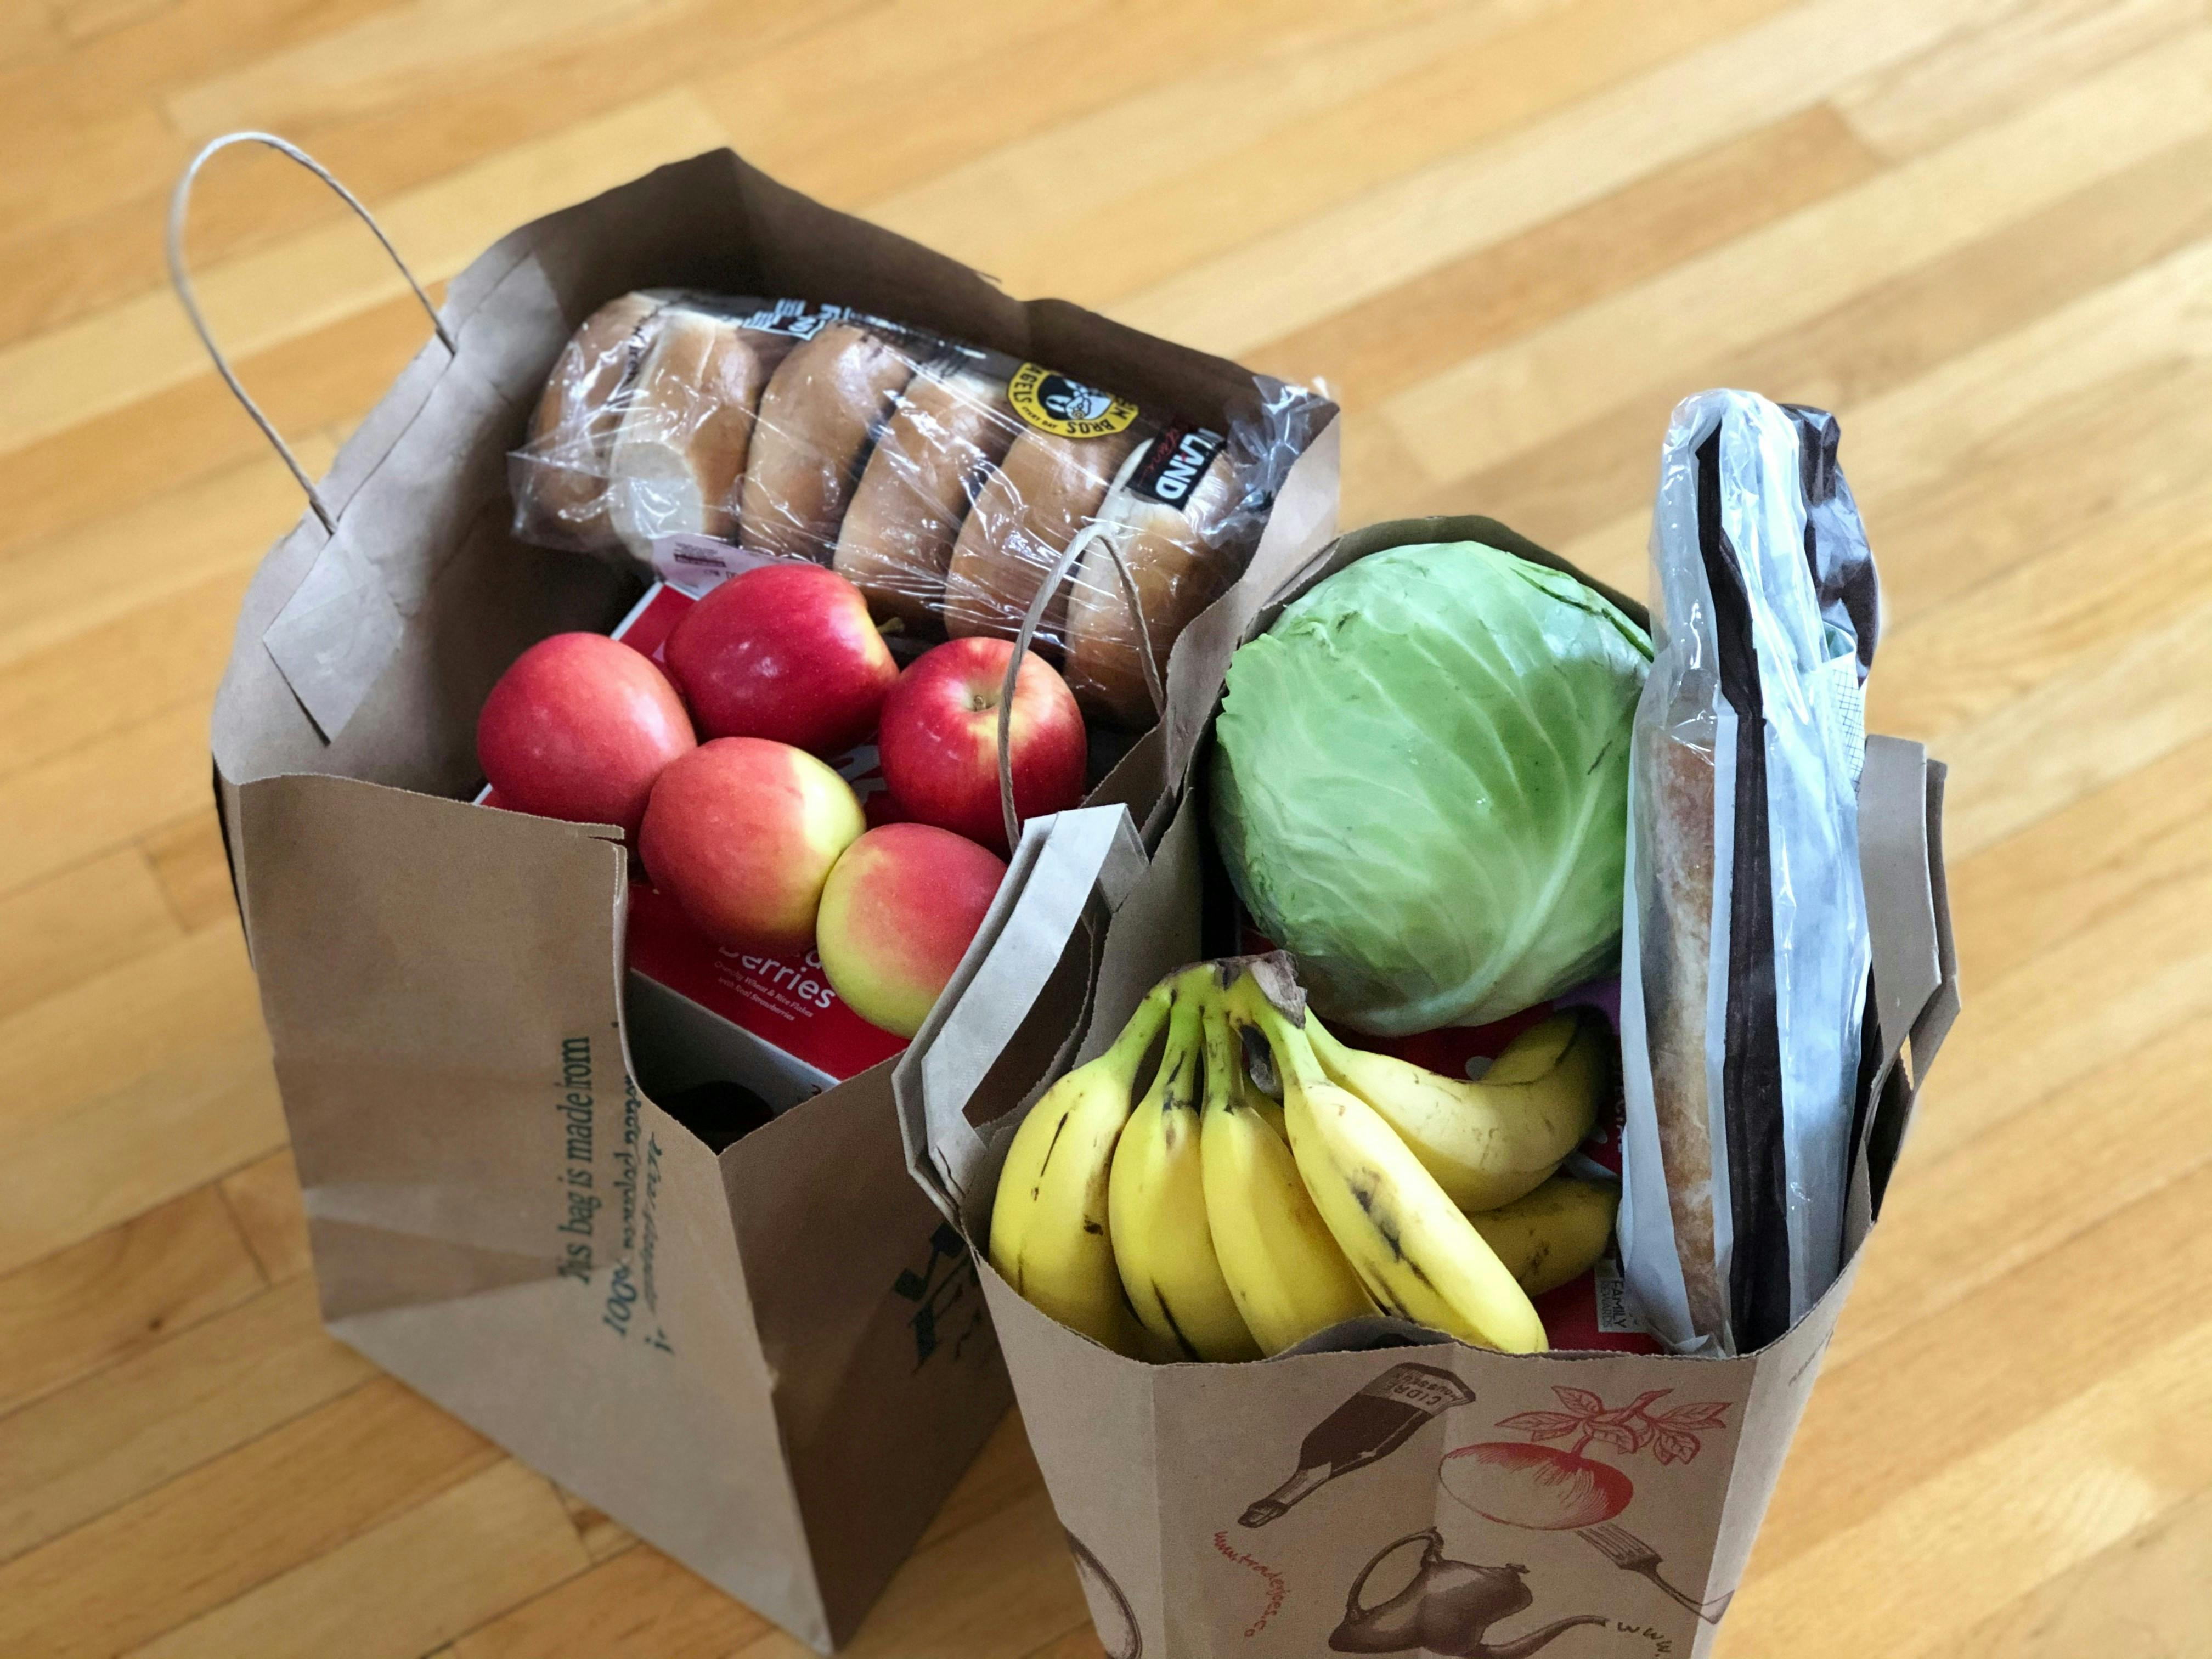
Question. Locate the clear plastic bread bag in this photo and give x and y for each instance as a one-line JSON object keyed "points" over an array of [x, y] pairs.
{"points": [[948, 482], [1745, 954]]}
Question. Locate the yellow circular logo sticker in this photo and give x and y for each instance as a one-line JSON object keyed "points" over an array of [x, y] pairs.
{"points": [[1053, 402]]}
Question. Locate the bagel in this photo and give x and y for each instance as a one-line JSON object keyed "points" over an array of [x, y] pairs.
{"points": [[1172, 522], [560, 474], [687, 427], [951, 426], [1030, 508], [822, 409]]}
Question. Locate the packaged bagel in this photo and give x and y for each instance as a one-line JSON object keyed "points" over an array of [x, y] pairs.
{"points": [[952, 484]]}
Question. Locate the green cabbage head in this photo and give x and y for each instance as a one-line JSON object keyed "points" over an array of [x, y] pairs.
{"points": [[1421, 784]]}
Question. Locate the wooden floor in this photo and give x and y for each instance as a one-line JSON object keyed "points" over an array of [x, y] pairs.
{"points": [[1509, 234]]}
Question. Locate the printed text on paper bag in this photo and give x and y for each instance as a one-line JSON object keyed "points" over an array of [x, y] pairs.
{"points": [[630, 1277]]}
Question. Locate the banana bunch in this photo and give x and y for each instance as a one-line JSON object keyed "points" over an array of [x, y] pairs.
{"points": [[1201, 1220]]}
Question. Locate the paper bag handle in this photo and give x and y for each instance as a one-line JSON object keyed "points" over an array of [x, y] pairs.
{"points": [[1064, 864], [1078, 545], [180, 279]]}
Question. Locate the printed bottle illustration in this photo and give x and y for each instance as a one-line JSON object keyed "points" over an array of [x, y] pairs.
{"points": [[1365, 1429], [1111, 1614], [1448, 1608]]}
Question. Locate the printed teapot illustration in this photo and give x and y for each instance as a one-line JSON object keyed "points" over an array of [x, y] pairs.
{"points": [[1446, 1609]]}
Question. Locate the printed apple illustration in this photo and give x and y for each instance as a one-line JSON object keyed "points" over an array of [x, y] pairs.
{"points": [[1547, 1487], [897, 915], [939, 739], [1559, 1488], [786, 652], [579, 727], [742, 833]]}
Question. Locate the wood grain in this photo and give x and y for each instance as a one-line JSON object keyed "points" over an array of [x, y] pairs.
{"points": [[1508, 234]]}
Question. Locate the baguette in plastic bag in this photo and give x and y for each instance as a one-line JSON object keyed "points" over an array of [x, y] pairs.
{"points": [[1745, 953]]}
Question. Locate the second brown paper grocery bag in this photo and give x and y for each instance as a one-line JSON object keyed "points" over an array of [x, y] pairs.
{"points": [[1415, 1494]]}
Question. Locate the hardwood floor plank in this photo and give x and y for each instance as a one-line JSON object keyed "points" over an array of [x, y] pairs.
{"points": [[995, 1590], [1901, 329], [386, 57], [118, 1293], [130, 462], [207, 1111], [180, 1406], [221, 1528], [1983, 1529], [132, 65], [103, 795], [1946, 1387], [28, 34], [87, 20], [264, 1200], [808, 110], [2016, 445], [1983, 74], [1956, 1222], [2077, 732], [193, 872], [1003, 1473], [255, 300], [1375, 349], [1510, 400], [1297, 136], [383, 135], [2031, 893], [2138, 971], [603, 1537], [2148, 1593], [194, 996], [98, 684], [1350, 254], [436, 1550], [2046, 617], [78, 924], [638, 1605]]}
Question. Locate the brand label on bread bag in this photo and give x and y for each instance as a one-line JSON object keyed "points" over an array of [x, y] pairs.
{"points": [[1068, 409], [1174, 463], [802, 319]]}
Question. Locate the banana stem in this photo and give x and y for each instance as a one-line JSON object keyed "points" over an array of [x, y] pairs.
{"points": [[1224, 1063], [1125, 1056], [1181, 1056], [1294, 1054]]}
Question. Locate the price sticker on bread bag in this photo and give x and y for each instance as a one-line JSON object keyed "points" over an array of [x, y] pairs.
{"points": [[1068, 409]]}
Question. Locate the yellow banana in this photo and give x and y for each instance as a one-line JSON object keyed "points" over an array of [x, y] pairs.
{"points": [[1418, 1255], [1490, 1141], [1048, 1219], [1163, 1242], [1554, 1234], [1287, 1275]]}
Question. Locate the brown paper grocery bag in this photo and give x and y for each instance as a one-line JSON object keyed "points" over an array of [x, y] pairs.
{"points": [[773, 1363], [1406, 1492]]}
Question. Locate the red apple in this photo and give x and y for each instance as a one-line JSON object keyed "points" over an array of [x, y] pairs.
{"points": [[579, 727], [742, 833], [897, 917], [939, 739], [786, 652]]}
